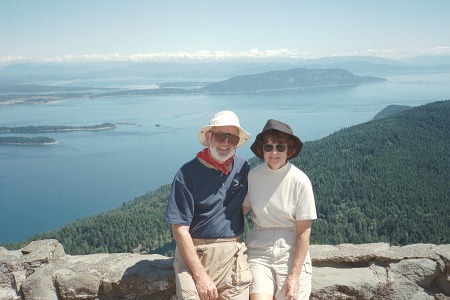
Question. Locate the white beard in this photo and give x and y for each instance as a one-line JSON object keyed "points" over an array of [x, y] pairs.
{"points": [[221, 156]]}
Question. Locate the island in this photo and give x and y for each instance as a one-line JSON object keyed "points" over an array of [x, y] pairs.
{"points": [[53, 128], [19, 140], [43, 140], [293, 79]]}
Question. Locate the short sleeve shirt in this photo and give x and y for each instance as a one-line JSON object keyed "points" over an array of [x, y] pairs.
{"points": [[279, 198], [209, 201]]}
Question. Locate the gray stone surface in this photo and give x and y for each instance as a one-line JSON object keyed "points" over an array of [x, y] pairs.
{"points": [[42, 270]]}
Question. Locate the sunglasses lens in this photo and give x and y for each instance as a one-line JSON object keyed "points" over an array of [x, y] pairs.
{"points": [[281, 147], [233, 140], [267, 148], [278, 147], [220, 137]]}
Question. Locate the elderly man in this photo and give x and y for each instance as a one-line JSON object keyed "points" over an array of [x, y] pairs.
{"points": [[205, 210]]}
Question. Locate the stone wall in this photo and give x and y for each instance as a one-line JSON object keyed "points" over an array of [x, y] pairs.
{"points": [[42, 270]]}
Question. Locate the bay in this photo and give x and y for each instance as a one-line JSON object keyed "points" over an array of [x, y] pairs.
{"points": [[46, 187]]}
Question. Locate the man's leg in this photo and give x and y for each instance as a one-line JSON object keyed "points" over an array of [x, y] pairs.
{"points": [[185, 285]]}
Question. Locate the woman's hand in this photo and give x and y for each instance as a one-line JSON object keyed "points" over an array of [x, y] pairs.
{"points": [[291, 287]]}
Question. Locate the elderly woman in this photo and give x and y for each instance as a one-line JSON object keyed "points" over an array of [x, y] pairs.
{"points": [[282, 205]]}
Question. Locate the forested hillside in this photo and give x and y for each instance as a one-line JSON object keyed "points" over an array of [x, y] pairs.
{"points": [[386, 180], [390, 111]]}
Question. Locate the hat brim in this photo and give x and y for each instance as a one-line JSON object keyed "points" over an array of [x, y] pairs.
{"points": [[244, 136]]}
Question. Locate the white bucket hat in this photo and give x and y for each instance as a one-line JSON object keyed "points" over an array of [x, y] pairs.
{"points": [[223, 118]]}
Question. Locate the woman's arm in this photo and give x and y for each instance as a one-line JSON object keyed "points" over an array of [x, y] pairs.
{"points": [[245, 209], [246, 206], [303, 231]]}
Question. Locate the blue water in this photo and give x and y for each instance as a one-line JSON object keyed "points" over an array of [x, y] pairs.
{"points": [[46, 187]]}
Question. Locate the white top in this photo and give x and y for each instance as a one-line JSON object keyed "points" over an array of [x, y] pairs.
{"points": [[279, 197]]}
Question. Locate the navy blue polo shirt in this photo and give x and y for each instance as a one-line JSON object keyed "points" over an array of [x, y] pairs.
{"points": [[204, 200]]}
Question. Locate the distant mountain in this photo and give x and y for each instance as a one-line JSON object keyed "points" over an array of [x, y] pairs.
{"points": [[428, 61], [25, 72], [300, 79], [289, 79], [355, 64], [381, 181], [390, 111], [431, 60]]}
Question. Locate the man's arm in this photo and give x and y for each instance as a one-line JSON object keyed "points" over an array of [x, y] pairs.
{"points": [[303, 231], [205, 286]]}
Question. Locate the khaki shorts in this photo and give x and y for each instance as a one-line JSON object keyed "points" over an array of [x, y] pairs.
{"points": [[225, 261], [270, 255]]}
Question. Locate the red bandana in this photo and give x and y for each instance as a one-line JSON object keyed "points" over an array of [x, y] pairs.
{"points": [[204, 154]]}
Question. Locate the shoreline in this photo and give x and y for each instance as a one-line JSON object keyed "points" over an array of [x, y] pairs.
{"points": [[43, 140], [28, 144], [54, 128]]}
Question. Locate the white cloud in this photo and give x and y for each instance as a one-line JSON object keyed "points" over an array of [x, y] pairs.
{"points": [[8, 59], [255, 54]]}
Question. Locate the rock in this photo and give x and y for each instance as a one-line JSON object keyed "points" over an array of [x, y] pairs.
{"points": [[377, 271], [347, 253], [329, 282], [420, 271], [380, 271], [77, 285], [12, 274], [444, 278], [42, 252], [39, 285]]}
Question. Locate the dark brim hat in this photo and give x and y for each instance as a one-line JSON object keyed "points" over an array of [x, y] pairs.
{"points": [[282, 127]]}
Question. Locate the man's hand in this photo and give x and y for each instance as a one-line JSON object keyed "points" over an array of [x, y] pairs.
{"points": [[206, 288]]}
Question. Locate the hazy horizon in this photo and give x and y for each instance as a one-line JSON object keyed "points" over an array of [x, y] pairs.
{"points": [[136, 30]]}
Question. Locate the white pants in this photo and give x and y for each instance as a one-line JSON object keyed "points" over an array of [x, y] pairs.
{"points": [[270, 255]]}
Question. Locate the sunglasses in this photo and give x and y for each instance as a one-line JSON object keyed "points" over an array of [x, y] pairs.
{"points": [[278, 147], [219, 137]]}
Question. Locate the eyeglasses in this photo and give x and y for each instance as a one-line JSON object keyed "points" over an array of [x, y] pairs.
{"points": [[219, 137], [278, 147]]}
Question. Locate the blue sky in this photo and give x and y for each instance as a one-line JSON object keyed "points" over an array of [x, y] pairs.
{"points": [[44, 30]]}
